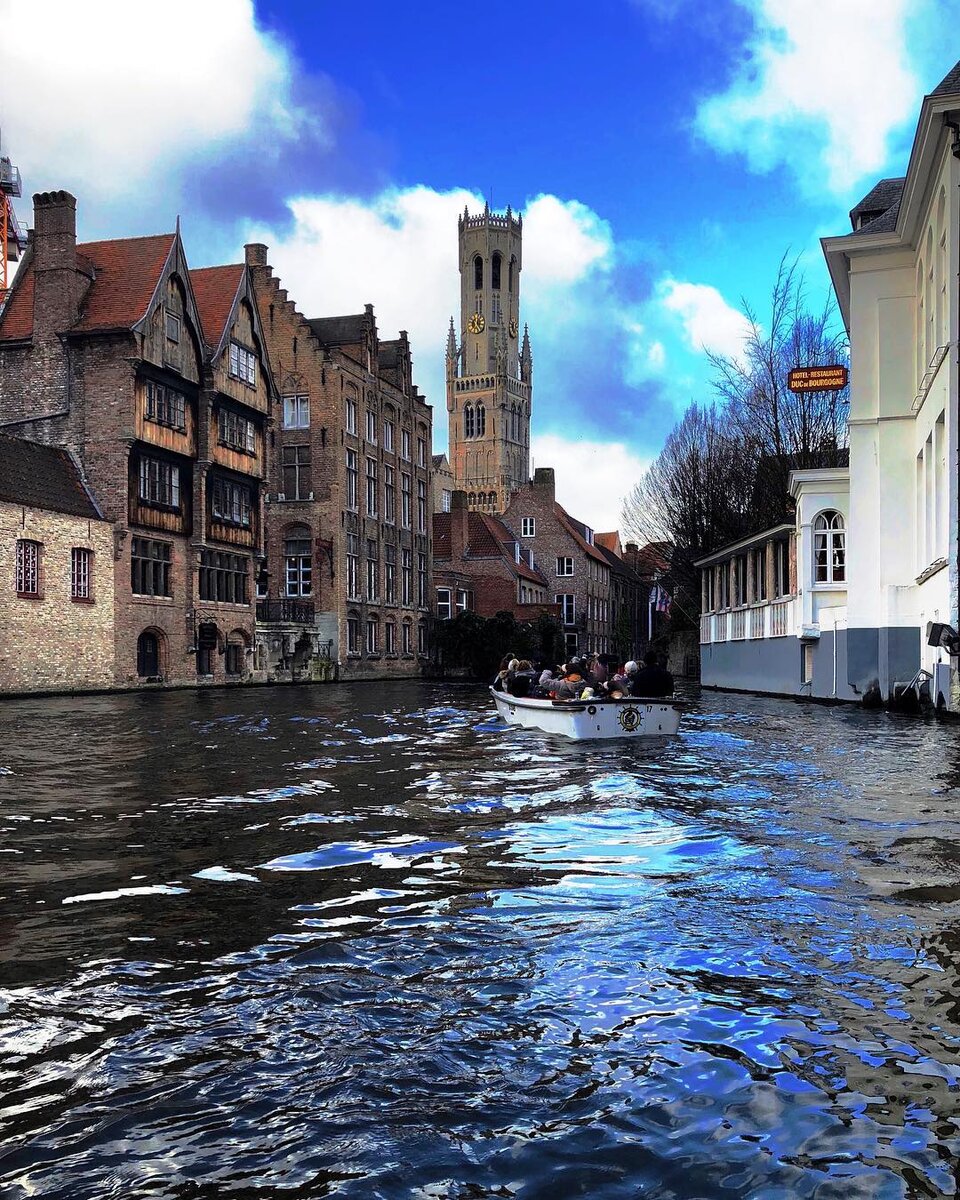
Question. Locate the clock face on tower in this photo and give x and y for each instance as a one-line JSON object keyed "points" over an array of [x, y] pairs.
{"points": [[476, 324], [513, 328]]}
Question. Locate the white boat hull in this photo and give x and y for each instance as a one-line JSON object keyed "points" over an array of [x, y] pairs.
{"points": [[584, 720]]}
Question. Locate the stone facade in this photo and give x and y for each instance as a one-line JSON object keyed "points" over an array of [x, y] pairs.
{"points": [[349, 568], [489, 371], [50, 640]]}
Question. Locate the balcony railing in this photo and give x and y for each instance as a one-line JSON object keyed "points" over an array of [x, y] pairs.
{"points": [[767, 620], [286, 612]]}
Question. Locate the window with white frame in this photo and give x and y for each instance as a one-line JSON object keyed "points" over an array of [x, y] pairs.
{"points": [[353, 635], [373, 570], [565, 566], [296, 412], [298, 564], [371, 426], [389, 494], [373, 635], [829, 548], [464, 600], [405, 498], [406, 576], [236, 432], [29, 555], [390, 573], [446, 499], [81, 575], [405, 444], [444, 604], [568, 607], [406, 636], [243, 364], [390, 637], [528, 526], [422, 505], [165, 405], [421, 452], [159, 483], [388, 431], [781, 568]]}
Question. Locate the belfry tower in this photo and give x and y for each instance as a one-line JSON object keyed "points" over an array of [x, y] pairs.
{"points": [[490, 370]]}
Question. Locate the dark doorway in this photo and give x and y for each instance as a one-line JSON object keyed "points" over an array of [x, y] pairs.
{"points": [[148, 656]]}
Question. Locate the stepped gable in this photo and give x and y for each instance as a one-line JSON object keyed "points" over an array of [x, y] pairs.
{"points": [[215, 290], [43, 477], [123, 274]]}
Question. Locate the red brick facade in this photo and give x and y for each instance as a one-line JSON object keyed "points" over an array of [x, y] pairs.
{"points": [[348, 520]]}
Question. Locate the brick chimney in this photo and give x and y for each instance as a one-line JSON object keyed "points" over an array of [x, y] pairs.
{"points": [[56, 283], [255, 254], [545, 481], [459, 526]]}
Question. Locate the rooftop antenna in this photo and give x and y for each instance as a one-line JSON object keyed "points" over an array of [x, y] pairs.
{"points": [[12, 238]]}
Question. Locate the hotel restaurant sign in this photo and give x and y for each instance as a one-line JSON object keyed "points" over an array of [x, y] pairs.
{"points": [[817, 379]]}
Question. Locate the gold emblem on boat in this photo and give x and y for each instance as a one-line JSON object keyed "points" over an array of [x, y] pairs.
{"points": [[629, 719]]}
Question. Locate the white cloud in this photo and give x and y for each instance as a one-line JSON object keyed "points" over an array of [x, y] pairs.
{"points": [[105, 96], [592, 477], [709, 322], [820, 89]]}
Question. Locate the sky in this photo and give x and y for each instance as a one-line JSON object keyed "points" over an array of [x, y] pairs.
{"points": [[665, 155]]}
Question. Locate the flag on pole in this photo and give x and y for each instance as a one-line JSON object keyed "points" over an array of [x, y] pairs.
{"points": [[663, 600]]}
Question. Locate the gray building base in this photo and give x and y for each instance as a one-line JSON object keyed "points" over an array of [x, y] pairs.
{"points": [[844, 663]]}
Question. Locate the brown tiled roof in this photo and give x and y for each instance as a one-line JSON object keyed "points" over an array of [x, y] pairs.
{"points": [[16, 322], [501, 537], [43, 477], [487, 537], [608, 541], [125, 273], [441, 535], [215, 289]]}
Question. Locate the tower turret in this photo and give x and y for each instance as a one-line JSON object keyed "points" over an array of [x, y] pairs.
{"points": [[488, 397]]}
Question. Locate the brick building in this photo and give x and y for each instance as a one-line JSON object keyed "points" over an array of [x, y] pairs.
{"points": [[56, 575], [103, 351], [576, 570], [480, 566], [348, 574]]}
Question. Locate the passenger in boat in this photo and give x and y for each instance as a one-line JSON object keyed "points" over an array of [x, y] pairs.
{"points": [[523, 680], [547, 677], [601, 668], [652, 679], [620, 682], [571, 685], [508, 663]]}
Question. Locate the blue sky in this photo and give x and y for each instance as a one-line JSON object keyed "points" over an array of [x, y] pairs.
{"points": [[666, 154]]}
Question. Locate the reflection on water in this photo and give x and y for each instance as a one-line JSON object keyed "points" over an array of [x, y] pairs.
{"points": [[370, 943]]}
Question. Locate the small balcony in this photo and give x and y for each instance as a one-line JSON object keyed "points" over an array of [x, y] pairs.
{"points": [[285, 612]]}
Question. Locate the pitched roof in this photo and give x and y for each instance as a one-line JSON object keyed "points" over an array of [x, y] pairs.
{"points": [[124, 276], [487, 537], [578, 532], [502, 538], [608, 541], [950, 84], [43, 477], [876, 203], [338, 331], [439, 460], [215, 289]]}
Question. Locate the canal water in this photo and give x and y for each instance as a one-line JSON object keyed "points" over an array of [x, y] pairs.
{"points": [[366, 942]]}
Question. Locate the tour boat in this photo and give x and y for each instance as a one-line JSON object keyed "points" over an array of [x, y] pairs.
{"points": [[582, 720]]}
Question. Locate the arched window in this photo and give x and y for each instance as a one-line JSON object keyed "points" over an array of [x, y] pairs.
{"points": [[829, 548], [481, 420], [495, 272], [468, 421], [472, 499], [478, 273], [148, 655], [510, 273]]}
